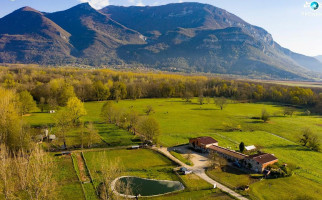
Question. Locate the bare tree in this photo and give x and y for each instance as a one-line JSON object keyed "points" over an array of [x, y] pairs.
{"points": [[187, 96], [201, 99], [149, 129], [31, 173], [305, 136], [148, 110], [221, 102], [110, 171]]}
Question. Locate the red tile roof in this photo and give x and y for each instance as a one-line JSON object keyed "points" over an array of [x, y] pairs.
{"points": [[227, 152], [206, 140], [263, 158]]}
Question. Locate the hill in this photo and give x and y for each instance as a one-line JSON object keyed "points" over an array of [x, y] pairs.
{"points": [[319, 58], [185, 37]]}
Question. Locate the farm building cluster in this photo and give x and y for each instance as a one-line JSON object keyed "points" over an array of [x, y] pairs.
{"points": [[257, 162]]}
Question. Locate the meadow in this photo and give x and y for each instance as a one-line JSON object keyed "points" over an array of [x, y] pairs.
{"points": [[67, 180], [150, 164], [180, 121]]}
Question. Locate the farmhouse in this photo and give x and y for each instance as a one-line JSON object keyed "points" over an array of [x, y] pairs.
{"points": [[227, 153], [259, 162], [202, 143]]}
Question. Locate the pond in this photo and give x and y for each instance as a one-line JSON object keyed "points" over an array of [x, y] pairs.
{"points": [[145, 187]]}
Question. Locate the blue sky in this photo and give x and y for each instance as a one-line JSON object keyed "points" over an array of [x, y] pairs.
{"points": [[292, 24]]}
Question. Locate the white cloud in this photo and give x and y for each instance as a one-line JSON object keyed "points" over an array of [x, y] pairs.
{"points": [[140, 3], [131, 1], [180, 1], [97, 4]]}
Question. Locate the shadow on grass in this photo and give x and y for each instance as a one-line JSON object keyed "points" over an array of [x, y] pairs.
{"points": [[204, 109], [256, 122], [232, 170]]}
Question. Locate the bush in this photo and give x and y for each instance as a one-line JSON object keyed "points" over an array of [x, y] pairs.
{"points": [[265, 115], [229, 127]]}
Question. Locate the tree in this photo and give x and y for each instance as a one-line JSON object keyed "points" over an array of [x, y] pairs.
{"points": [[101, 91], [41, 183], [221, 102], [108, 112], [27, 172], [133, 119], [187, 96], [208, 100], [111, 170], [27, 103], [314, 143], [13, 131], [52, 104], [305, 136], [148, 110], [149, 129], [42, 104], [65, 93], [64, 122], [242, 147], [309, 139], [76, 109], [265, 115], [119, 91], [201, 99], [90, 135], [288, 111]]}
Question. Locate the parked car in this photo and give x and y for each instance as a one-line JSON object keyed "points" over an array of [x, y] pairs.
{"points": [[185, 171]]}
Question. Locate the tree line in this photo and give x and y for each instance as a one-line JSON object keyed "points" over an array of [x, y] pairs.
{"points": [[52, 87]]}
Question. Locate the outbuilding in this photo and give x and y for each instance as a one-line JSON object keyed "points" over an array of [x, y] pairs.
{"points": [[202, 143]]}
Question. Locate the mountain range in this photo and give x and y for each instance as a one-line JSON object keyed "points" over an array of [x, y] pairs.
{"points": [[184, 37]]}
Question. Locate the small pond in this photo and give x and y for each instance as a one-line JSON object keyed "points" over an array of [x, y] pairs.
{"points": [[148, 187]]}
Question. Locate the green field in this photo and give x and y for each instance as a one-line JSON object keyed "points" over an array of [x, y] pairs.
{"points": [[231, 177], [150, 164], [180, 121], [141, 162], [68, 185]]}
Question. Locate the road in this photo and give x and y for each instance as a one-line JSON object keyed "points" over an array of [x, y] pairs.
{"points": [[200, 163]]}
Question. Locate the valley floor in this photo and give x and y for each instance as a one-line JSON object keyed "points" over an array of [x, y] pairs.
{"points": [[180, 121]]}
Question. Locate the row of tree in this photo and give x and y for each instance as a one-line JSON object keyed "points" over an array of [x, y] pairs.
{"points": [[144, 126], [53, 87]]}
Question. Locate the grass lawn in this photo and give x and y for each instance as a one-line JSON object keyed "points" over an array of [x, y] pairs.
{"points": [[141, 162], [200, 195], [194, 182], [150, 164], [109, 133], [114, 136], [293, 187], [230, 176], [180, 121], [182, 158], [68, 185]]}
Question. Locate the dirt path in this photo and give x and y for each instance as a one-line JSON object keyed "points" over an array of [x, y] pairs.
{"points": [[82, 169], [200, 162]]}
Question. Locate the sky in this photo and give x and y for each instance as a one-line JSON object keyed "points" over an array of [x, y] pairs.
{"points": [[292, 23]]}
